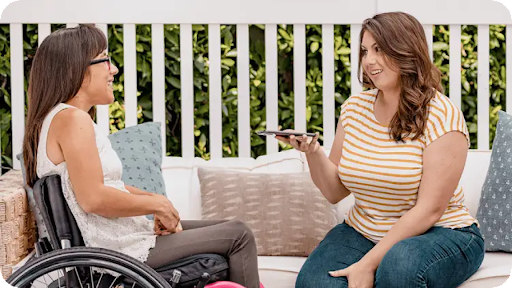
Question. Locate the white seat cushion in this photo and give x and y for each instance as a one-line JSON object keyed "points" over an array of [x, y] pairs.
{"points": [[496, 264], [281, 272]]}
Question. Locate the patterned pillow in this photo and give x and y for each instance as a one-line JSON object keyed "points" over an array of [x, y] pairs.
{"points": [[286, 212], [495, 207], [140, 150]]}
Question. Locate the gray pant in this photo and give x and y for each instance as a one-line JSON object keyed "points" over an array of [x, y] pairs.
{"points": [[231, 239]]}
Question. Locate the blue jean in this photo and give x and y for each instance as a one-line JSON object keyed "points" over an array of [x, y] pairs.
{"points": [[441, 257]]}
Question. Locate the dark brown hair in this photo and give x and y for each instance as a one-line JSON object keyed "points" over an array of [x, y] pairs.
{"points": [[402, 39], [57, 73]]}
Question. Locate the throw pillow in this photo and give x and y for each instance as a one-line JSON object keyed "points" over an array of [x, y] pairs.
{"points": [[286, 212], [140, 150], [495, 208]]}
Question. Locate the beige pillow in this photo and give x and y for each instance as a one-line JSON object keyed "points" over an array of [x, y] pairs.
{"points": [[286, 212]]}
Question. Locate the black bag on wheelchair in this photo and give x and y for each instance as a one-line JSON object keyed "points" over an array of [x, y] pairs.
{"points": [[193, 268], [63, 232]]}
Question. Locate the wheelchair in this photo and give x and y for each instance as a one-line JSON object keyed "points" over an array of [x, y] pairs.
{"points": [[64, 261]]}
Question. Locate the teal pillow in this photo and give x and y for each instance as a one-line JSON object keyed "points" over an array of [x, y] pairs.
{"points": [[140, 150], [495, 208]]}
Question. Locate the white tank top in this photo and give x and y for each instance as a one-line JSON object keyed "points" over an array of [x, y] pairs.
{"points": [[133, 236]]}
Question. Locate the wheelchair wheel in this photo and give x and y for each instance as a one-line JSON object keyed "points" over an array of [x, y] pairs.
{"points": [[85, 267]]}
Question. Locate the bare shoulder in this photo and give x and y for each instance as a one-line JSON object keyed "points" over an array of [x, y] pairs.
{"points": [[75, 122]]}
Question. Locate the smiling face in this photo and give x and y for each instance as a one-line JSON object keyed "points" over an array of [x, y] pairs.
{"points": [[377, 65], [98, 83]]}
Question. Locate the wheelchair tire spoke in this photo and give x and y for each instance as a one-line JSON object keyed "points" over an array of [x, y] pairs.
{"points": [[79, 280]]}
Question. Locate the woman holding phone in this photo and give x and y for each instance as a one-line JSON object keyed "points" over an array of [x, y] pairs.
{"points": [[400, 149]]}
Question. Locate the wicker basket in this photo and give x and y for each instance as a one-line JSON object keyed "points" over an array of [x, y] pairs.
{"points": [[17, 223]]}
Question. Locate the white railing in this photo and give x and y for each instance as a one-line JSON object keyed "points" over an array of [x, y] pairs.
{"points": [[270, 13]]}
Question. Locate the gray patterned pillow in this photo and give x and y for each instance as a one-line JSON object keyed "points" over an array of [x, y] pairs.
{"points": [[495, 207], [140, 150], [287, 213]]}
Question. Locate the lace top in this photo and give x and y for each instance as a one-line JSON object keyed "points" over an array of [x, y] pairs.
{"points": [[133, 236]]}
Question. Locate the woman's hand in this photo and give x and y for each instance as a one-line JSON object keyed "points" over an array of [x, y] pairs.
{"points": [[359, 275], [160, 229], [302, 143], [166, 216]]}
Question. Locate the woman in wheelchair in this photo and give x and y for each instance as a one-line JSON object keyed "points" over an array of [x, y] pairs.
{"points": [[71, 74]]}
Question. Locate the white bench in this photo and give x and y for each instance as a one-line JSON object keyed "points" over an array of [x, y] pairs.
{"points": [[180, 175]]}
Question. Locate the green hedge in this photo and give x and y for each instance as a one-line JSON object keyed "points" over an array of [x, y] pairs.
{"points": [[257, 80]]}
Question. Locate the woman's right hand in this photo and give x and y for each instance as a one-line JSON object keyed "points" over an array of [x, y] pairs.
{"points": [[167, 215], [302, 143]]}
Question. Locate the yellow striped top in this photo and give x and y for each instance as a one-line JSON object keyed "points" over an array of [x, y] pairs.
{"points": [[383, 175]]}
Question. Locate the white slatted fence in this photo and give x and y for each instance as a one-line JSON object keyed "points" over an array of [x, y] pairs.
{"points": [[201, 11]]}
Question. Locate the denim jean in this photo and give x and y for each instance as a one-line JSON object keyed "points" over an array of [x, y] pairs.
{"points": [[441, 257]]}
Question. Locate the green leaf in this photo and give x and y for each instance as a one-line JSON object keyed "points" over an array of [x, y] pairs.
{"points": [[314, 47], [284, 34], [175, 82], [140, 48], [466, 86], [196, 27], [343, 51], [228, 62], [232, 53], [439, 46]]}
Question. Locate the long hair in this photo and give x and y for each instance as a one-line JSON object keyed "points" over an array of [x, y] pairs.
{"points": [[58, 71], [402, 39]]}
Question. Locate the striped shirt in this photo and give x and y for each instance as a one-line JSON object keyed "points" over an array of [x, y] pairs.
{"points": [[383, 175]]}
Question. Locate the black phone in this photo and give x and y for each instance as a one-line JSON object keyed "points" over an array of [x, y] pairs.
{"points": [[284, 133]]}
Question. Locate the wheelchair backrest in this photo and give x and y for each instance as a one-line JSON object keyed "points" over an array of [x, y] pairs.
{"points": [[58, 218]]}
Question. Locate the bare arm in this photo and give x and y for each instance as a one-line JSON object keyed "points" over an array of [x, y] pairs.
{"points": [[78, 144], [323, 169], [137, 191]]}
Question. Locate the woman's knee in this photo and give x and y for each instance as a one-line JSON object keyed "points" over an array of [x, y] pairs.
{"points": [[400, 267], [241, 229]]}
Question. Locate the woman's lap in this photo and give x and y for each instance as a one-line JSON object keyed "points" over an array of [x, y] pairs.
{"points": [[441, 257], [341, 247]]}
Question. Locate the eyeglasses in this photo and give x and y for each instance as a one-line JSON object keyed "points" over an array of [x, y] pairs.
{"points": [[108, 60]]}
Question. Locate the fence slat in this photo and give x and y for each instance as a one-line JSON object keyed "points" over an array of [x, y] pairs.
{"points": [[102, 111], [215, 91], [244, 101], [187, 91], [483, 87], [430, 38], [158, 72], [17, 92], [328, 84], [455, 65], [130, 76], [271, 84], [508, 65], [43, 30], [71, 25], [299, 76], [355, 30]]}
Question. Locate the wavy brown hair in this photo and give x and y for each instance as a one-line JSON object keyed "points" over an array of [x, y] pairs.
{"points": [[58, 71], [402, 39]]}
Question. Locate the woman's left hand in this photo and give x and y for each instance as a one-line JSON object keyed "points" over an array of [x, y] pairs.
{"points": [[359, 275], [160, 229]]}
